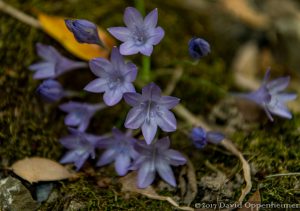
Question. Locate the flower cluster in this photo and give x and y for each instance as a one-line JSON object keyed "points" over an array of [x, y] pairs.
{"points": [[150, 109]]}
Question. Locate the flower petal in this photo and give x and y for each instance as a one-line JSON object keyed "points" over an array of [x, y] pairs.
{"points": [[128, 48], [146, 174], [117, 60], [100, 67], [175, 158], [132, 98], [280, 110], [156, 36], [215, 137], [69, 157], [81, 160], [166, 120], [112, 96], [278, 84], [286, 97], [165, 171], [121, 33], [107, 157], [43, 70], [132, 17], [73, 119], [131, 72], [47, 52], [146, 49], [150, 20], [122, 164], [135, 118], [149, 129], [151, 91], [97, 86], [168, 102], [163, 144]]}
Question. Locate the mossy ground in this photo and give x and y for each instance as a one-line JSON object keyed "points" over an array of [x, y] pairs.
{"points": [[30, 127]]}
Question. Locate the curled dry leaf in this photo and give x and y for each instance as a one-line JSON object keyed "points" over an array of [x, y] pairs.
{"points": [[56, 28], [188, 182], [129, 184], [37, 169], [254, 201]]}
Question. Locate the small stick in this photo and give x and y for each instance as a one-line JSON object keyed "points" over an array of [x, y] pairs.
{"points": [[19, 15], [175, 78]]}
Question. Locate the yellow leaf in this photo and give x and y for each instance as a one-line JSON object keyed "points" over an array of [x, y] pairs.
{"points": [[37, 169], [56, 28]]}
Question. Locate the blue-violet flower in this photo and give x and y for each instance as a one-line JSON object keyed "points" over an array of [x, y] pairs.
{"points": [[80, 114], [51, 90], [198, 48], [156, 157], [115, 77], [270, 96], [81, 145], [53, 64], [201, 137], [84, 31], [120, 149], [140, 34], [150, 110]]}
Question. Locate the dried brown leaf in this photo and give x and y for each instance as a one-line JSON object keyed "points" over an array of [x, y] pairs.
{"points": [[129, 184], [243, 10], [254, 201], [37, 169]]}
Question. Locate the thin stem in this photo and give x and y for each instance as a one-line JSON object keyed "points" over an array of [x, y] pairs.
{"points": [[146, 62], [140, 6], [284, 174], [19, 15]]}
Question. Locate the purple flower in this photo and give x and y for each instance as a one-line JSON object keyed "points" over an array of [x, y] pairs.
{"points": [[80, 114], [119, 148], [81, 145], [140, 34], [51, 90], [198, 48], [84, 31], [156, 157], [270, 96], [53, 64], [150, 110], [200, 137], [115, 77]]}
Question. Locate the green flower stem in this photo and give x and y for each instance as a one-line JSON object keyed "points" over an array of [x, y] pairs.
{"points": [[146, 75], [146, 60]]}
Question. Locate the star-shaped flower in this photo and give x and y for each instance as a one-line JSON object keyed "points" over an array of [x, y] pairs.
{"points": [[53, 64], [140, 34], [119, 149], [156, 157], [81, 146], [80, 114], [115, 77], [150, 110], [271, 98]]}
